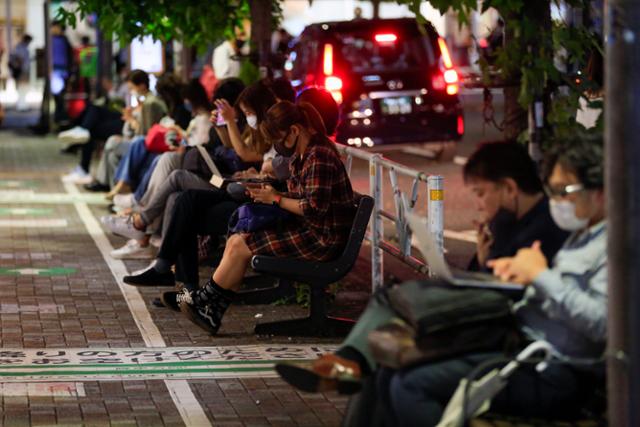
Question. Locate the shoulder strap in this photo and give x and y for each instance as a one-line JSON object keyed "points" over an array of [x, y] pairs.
{"points": [[207, 159]]}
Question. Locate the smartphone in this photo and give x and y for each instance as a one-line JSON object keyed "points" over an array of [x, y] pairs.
{"points": [[220, 120]]}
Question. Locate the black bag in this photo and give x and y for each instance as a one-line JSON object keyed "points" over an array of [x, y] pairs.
{"points": [[438, 321]]}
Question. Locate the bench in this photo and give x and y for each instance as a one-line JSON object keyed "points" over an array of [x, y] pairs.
{"points": [[318, 275]]}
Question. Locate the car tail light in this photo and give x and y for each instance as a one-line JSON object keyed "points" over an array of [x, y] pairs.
{"points": [[385, 38], [333, 83], [449, 79], [460, 126]]}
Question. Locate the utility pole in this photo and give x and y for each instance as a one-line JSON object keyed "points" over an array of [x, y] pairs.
{"points": [[622, 141]]}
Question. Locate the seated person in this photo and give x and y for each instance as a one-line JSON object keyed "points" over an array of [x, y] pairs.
{"points": [[505, 183], [565, 304], [254, 101], [201, 213], [140, 119], [320, 197]]}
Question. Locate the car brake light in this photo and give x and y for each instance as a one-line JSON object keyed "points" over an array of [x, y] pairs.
{"points": [[450, 76], [385, 38], [327, 64], [332, 83], [460, 127]]}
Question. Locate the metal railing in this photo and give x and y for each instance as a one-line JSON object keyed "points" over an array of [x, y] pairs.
{"points": [[403, 202]]}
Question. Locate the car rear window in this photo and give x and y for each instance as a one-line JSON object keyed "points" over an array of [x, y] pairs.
{"points": [[362, 53]]}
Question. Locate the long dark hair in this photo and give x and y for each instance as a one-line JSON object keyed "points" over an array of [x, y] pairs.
{"points": [[259, 98], [197, 95], [169, 88], [285, 114]]}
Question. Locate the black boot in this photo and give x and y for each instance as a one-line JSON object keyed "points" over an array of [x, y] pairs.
{"points": [[207, 306]]}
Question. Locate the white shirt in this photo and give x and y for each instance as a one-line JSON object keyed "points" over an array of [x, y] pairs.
{"points": [[198, 130], [224, 65]]}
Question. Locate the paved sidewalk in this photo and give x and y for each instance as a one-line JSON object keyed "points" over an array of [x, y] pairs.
{"points": [[75, 351]]}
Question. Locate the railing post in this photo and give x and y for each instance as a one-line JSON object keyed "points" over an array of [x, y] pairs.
{"points": [[375, 186], [435, 207]]}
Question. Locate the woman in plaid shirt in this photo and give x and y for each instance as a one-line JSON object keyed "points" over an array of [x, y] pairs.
{"points": [[320, 197]]}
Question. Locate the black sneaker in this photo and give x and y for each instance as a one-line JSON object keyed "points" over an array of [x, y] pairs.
{"points": [[151, 277], [204, 316], [172, 299], [97, 187]]}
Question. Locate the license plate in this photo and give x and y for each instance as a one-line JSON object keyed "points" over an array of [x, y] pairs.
{"points": [[396, 105]]}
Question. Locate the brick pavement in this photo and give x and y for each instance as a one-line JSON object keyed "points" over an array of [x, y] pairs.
{"points": [[86, 309]]}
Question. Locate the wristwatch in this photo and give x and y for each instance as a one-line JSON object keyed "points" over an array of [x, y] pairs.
{"points": [[277, 200]]}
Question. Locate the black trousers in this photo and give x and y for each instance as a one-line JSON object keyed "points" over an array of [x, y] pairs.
{"points": [[101, 124], [196, 213]]}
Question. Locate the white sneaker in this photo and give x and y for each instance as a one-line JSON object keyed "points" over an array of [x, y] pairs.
{"points": [[124, 201], [156, 241], [133, 250], [76, 135], [122, 226], [77, 176]]}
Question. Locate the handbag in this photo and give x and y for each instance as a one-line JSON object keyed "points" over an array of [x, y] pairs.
{"points": [[436, 321], [252, 217], [155, 141]]}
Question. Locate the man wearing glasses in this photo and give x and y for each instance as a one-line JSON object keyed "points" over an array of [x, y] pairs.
{"points": [[565, 303]]}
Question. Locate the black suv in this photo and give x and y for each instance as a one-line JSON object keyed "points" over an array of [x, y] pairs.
{"points": [[394, 84]]}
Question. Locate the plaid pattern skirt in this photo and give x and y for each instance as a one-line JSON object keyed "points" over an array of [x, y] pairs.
{"points": [[298, 242]]}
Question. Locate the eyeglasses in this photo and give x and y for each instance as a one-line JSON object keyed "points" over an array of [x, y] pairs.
{"points": [[563, 191]]}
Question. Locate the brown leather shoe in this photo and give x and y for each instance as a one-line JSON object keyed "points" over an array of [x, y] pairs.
{"points": [[327, 373]]}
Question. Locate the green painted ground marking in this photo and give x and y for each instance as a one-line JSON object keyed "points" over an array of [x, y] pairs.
{"points": [[104, 364], [29, 271], [25, 211], [14, 183], [24, 197]]}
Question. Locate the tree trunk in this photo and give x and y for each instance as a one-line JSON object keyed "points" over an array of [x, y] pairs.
{"points": [[376, 8], [261, 30], [515, 117]]}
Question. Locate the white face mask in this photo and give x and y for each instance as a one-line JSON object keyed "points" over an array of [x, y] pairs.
{"points": [[252, 121], [563, 213]]}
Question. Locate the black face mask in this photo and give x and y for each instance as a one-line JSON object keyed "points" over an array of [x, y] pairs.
{"points": [[240, 43], [282, 149]]}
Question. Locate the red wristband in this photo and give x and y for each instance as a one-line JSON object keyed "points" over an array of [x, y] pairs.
{"points": [[278, 199]]}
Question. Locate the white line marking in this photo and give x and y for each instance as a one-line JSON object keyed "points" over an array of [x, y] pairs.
{"points": [[57, 389], [33, 223], [28, 196], [190, 410], [25, 255]]}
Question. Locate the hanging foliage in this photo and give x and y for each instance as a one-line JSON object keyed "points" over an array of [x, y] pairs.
{"points": [[531, 56]]}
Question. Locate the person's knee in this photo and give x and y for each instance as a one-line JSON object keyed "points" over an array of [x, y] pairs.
{"points": [[237, 247]]}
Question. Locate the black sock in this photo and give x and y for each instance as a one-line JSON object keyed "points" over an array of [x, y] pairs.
{"points": [[162, 266], [350, 353], [212, 291]]}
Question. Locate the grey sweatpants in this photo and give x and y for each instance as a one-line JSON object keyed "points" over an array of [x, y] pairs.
{"points": [[178, 181], [167, 163], [114, 150]]}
